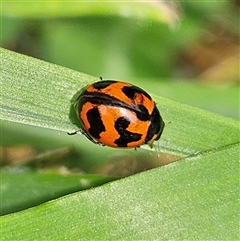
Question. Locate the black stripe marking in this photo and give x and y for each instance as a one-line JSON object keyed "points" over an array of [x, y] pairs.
{"points": [[131, 91], [96, 124], [126, 136], [156, 126], [103, 84], [104, 99]]}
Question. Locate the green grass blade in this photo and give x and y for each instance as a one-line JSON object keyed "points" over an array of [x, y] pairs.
{"points": [[38, 93], [34, 188], [193, 199]]}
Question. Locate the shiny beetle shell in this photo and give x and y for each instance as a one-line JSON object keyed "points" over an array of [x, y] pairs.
{"points": [[118, 114]]}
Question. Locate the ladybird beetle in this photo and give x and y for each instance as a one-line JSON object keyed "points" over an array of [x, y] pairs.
{"points": [[118, 114]]}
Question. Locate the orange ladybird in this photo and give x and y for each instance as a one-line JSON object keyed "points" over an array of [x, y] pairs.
{"points": [[118, 114]]}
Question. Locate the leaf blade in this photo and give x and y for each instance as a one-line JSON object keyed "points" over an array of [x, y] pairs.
{"points": [[46, 104], [197, 196]]}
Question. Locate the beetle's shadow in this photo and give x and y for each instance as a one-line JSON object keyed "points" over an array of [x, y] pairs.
{"points": [[72, 111]]}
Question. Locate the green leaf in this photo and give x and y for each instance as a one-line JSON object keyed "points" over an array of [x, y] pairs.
{"points": [[193, 199], [38, 93], [35, 188]]}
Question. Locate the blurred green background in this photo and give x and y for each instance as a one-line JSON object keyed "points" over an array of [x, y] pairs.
{"points": [[161, 43], [186, 51]]}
